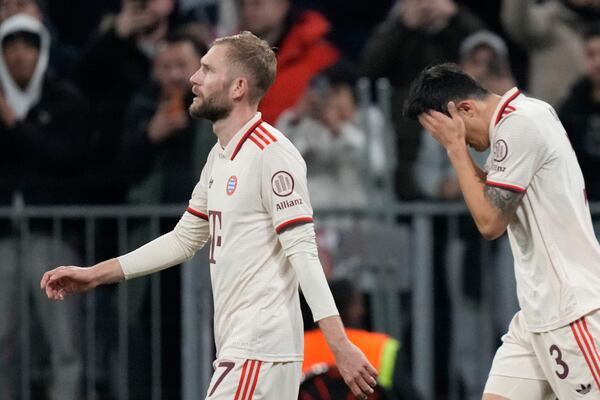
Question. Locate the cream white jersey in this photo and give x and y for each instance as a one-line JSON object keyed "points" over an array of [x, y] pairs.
{"points": [[557, 256], [249, 192]]}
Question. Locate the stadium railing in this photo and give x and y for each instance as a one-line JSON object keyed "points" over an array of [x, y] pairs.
{"points": [[419, 264], [393, 253]]}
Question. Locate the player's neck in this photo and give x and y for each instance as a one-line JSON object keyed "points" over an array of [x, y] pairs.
{"points": [[225, 129], [491, 104]]}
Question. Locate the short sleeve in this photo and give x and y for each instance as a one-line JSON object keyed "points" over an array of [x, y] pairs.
{"points": [[518, 151], [198, 203], [284, 188]]}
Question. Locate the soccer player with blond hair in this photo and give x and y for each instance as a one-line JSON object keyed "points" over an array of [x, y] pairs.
{"points": [[251, 207]]}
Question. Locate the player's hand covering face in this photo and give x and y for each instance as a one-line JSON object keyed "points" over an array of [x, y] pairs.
{"points": [[448, 131]]}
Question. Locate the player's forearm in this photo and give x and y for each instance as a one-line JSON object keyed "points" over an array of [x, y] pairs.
{"points": [[108, 271], [175, 247], [163, 252], [335, 334], [472, 184], [301, 249]]}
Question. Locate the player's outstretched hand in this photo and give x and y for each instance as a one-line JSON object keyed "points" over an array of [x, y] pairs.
{"points": [[357, 371], [66, 280]]}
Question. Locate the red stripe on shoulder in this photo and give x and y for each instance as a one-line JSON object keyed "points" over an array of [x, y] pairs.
{"points": [[261, 137], [256, 142], [292, 222], [264, 130], [505, 105], [243, 139], [197, 213], [514, 188]]}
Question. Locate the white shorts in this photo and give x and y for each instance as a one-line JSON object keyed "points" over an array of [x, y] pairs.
{"points": [[567, 359], [237, 379]]}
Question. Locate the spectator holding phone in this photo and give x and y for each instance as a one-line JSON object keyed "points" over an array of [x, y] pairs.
{"points": [[116, 64], [164, 149]]}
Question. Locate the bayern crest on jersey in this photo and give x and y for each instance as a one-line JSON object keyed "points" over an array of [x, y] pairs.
{"points": [[231, 185]]}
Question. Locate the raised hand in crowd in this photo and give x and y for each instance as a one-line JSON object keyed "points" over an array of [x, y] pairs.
{"points": [[430, 15], [134, 19], [170, 118]]}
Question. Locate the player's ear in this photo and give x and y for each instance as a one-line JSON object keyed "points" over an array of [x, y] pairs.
{"points": [[466, 108], [239, 88]]}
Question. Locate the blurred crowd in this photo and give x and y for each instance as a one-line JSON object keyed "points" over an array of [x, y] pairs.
{"points": [[94, 97]]}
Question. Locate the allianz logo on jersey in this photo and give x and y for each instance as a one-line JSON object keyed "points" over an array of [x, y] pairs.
{"points": [[288, 203]]}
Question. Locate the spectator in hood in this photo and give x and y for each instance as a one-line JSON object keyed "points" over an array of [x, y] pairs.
{"points": [[42, 145], [63, 56], [302, 49]]}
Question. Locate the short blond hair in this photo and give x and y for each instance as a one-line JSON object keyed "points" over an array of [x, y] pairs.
{"points": [[253, 56]]}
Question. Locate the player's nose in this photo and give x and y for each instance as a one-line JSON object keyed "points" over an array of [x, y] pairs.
{"points": [[195, 79]]}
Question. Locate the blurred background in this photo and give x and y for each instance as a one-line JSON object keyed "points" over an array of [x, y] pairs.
{"points": [[98, 155]]}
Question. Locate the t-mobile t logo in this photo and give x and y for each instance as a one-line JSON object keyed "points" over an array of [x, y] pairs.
{"points": [[214, 218]]}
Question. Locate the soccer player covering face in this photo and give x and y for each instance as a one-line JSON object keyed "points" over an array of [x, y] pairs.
{"points": [[251, 207], [532, 186]]}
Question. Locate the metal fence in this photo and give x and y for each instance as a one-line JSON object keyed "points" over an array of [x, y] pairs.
{"points": [[431, 280], [394, 253]]}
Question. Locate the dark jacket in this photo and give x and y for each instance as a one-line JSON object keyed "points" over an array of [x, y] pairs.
{"points": [[111, 70], [164, 172], [580, 115], [399, 53], [43, 156]]}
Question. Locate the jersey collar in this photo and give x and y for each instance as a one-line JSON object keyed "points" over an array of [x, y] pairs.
{"points": [[235, 144], [504, 102]]}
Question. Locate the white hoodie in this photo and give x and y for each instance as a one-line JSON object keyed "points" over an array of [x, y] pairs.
{"points": [[21, 100]]}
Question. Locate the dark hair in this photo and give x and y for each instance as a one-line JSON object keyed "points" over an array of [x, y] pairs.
{"points": [[182, 35], [32, 39], [341, 73], [591, 31], [436, 86]]}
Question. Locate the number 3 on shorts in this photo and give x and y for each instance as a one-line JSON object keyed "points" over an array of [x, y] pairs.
{"points": [[563, 368]]}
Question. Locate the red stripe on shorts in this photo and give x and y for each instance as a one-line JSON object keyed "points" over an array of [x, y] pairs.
{"points": [[247, 385], [241, 382], [591, 337], [594, 355], [255, 381], [576, 329], [589, 347]]}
